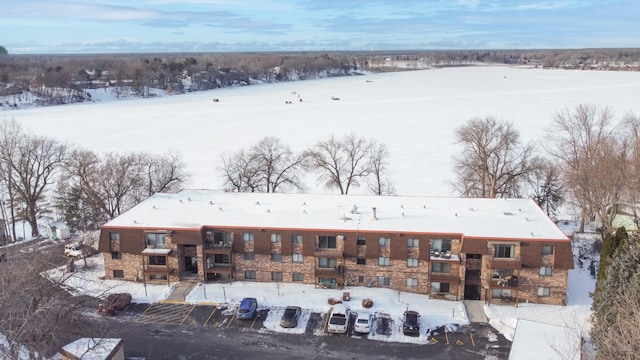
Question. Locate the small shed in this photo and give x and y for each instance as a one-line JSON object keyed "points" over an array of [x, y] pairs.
{"points": [[58, 231], [94, 349]]}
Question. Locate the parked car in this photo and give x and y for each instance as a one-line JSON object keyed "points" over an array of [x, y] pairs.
{"points": [[290, 317], [339, 320], [248, 309], [410, 325], [363, 322], [72, 250], [113, 303]]}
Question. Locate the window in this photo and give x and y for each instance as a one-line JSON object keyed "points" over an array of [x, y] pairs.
{"points": [[116, 255], [440, 245], [327, 242], [384, 281], [156, 240], [297, 277], [384, 242], [505, 251], [383, 261], [276, 276], [118, 274], [412, 282], [500, 293], [276, 257], [249, 275], [437, 287], [157, 260], [412, 262], [249, 256], [413, 243], [544, 291], [361, 261], [276, 238], [437, 267], [547, 250], [545, 271], [248, 237], [114, 241], [157, 277], [296, 239], [297, 258], [362, 241], [327, 263]]}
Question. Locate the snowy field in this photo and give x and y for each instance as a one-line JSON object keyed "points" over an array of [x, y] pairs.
{"points": [[413, 113]]}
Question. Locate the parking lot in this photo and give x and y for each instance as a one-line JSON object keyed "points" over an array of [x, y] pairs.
{"points": [[475, 337]]}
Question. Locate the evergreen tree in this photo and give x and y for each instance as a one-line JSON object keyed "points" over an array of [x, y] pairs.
{"points": [[616, 309], [610, 244], [3, 50]]}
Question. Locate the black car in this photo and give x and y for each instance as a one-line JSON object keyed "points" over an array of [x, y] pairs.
{"points": [[410, 326], [290, 317]]}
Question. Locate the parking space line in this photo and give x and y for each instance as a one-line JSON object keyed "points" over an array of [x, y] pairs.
{"points": [[473, 343], [187, 315], [254, 320], [210, 316], [446, 335], [230, 321]]}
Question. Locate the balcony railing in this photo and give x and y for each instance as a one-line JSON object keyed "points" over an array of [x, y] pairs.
{"points": [[509, 281], [328, 252]]}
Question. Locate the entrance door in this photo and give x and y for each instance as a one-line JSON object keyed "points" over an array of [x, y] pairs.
{"points": [[472, 292], [191, 264]]}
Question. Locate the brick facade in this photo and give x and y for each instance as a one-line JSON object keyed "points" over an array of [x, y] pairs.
{"points": [[403, 262]]}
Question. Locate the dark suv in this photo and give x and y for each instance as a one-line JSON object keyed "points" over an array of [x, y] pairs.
{"points": [[410, 326]]}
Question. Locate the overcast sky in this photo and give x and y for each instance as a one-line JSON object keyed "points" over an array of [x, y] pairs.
{"points": [[124, 26]]}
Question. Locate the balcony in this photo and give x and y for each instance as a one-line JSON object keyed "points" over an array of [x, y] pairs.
{"points": [[508, 282], [219, 268], [328, 252], [329, 271], [505, 263]]}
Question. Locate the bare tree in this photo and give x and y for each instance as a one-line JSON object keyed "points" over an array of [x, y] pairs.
{"points": [[162, 173], [36, 314], [342, 163], [112, 184], [278, 167], [31, 162], [632, 128], [582, 140], [377, 181], [546, 185], [240, 172], [493, 162]]}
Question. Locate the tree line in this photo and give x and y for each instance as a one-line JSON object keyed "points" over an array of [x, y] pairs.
{"points": [[61, 79]]}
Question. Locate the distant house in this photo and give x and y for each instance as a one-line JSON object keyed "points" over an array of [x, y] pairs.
{"points": [[497, 250], [58, 231]]}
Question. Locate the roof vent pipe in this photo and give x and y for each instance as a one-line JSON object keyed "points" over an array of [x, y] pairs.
{"points": [[375, 216]]}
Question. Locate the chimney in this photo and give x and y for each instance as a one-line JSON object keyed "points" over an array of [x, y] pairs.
{"points": [[375, 217]]}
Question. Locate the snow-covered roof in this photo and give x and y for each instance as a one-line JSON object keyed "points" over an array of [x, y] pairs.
{"points": [[92, 348], [193, 209], [536, 340]]}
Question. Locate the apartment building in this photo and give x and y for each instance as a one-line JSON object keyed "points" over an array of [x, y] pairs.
{"points": [[498, 250]]}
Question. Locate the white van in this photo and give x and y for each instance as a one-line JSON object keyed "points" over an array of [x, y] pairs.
{"points": [[72, 250], [339, 320]]}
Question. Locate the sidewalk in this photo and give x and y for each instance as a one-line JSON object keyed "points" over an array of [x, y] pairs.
{"points": [[475, 311]]}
